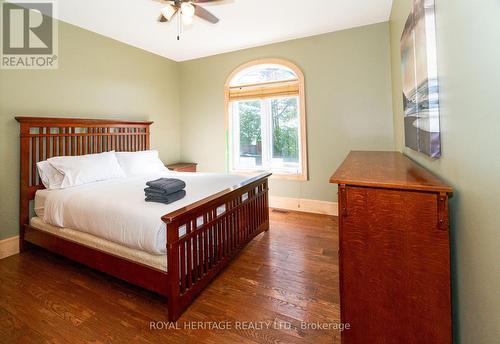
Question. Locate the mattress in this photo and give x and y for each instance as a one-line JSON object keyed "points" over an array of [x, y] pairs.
{"points": [[157, 261], [115, 210]]}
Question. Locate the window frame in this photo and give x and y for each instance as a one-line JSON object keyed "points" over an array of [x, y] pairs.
{"points": [[304, 175]]}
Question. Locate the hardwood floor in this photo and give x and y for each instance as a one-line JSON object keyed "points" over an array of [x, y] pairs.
{"points": [[285, 280]]}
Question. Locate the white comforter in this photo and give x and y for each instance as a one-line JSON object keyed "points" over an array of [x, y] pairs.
{"points": [[115, 209]]}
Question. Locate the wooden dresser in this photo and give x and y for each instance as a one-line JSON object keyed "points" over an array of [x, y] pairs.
{"points": [[394, 251]]}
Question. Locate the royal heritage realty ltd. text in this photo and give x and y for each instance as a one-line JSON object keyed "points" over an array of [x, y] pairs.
{"points": [[247, 325]]}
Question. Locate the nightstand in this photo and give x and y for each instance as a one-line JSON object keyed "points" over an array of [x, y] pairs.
{"points": [[183, 167]]}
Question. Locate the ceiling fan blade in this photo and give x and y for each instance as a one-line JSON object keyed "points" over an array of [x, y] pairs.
{"points": [[204, 14], [162, 19]]}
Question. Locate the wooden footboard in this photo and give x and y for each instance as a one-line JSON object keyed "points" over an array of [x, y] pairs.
{"points": [[203, 237]]}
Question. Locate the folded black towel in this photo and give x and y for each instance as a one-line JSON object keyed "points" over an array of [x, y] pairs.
{"points": [[155, 192], [166, 199], [166, 185]]}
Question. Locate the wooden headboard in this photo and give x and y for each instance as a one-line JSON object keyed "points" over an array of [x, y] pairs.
{"points": [[44, 137]]}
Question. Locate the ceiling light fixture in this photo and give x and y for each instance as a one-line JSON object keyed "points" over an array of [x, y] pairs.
{"points": [[168, 12], [188, 9]]}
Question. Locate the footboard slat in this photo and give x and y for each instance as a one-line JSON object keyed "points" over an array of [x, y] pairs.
{"points": [[182, 252], [210, 242], [225, 246], [189, 258], [219, 240], [205, 248], [229, 222], [196, 259]]}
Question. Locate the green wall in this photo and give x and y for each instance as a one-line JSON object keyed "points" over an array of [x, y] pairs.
{"points": [[468, 36], [348, 99], [98, 78]]}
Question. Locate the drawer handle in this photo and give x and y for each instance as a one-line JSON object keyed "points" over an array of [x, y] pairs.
{"points": [[443, 212], [343, 200]]}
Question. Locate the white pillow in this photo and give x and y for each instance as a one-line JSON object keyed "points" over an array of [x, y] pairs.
{"points": [[140, 163], [83, 169], [50, 177]]}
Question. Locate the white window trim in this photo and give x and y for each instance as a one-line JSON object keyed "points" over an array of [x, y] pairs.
{"points": [[303, 176]]}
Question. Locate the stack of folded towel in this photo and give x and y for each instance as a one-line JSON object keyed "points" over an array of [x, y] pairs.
{"points": [[165, 190]]}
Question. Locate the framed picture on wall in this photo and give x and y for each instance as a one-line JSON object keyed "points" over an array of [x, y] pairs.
{"points": [[420, 80]]}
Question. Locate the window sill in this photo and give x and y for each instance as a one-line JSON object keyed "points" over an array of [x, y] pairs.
{"points": [[275, 175]]}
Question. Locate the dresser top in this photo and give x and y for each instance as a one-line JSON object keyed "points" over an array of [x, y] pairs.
{"points": [[390, 170]]}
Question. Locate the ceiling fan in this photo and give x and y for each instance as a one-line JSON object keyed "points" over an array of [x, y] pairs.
{"points": [[187, 9]]}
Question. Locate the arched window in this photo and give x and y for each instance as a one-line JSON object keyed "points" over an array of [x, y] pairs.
{"points": [[266, 120]]}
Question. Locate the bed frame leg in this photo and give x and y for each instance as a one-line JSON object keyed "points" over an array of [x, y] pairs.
{"points": [[174, 308], [22, 244], [174, 311], [23, 219], [266, 205], [266, 226]]}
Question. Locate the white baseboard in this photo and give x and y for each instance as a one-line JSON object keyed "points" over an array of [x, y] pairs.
{"points": [[304, 205], [9, 247]]}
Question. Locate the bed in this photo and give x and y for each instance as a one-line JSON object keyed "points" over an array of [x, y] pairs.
{"points": [[185, 245]]}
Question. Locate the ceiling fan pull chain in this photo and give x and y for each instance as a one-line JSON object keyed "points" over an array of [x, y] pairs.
{"points": [[179, 27]]}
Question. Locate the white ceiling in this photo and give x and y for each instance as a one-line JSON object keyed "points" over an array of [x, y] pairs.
{"points": [[243, 23]]}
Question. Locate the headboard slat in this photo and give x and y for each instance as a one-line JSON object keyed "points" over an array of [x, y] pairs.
{"points": [[66, 141], [45, 137], [54, 147], [33, 161], [39, 146]]}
